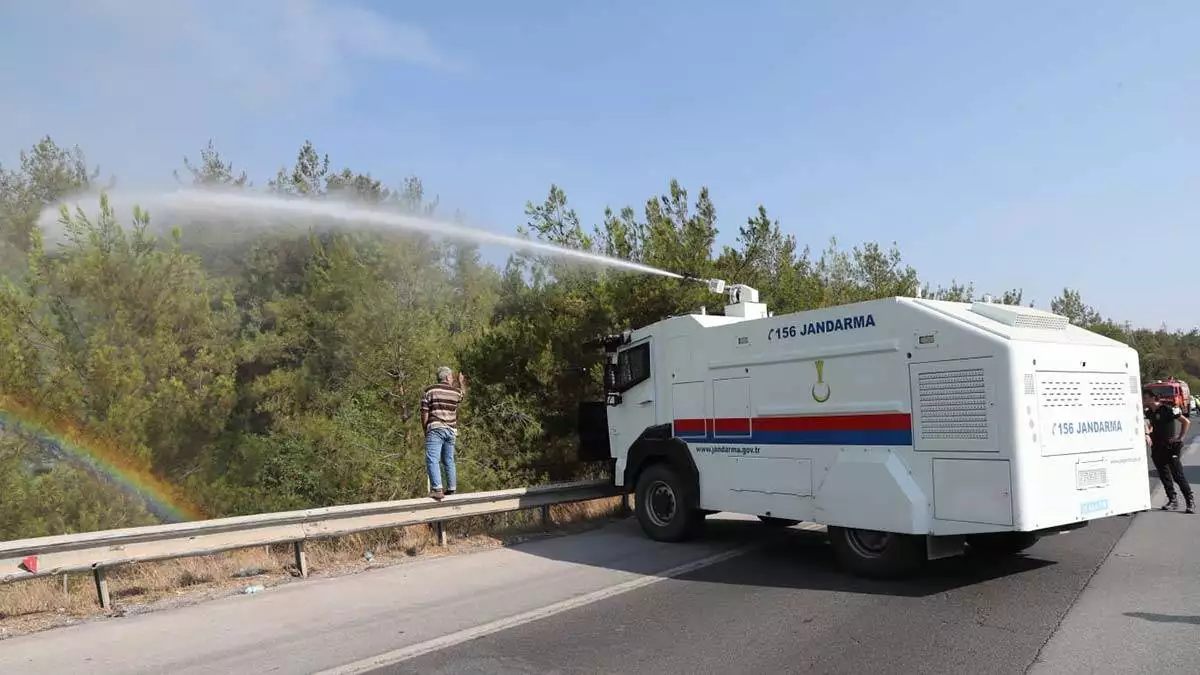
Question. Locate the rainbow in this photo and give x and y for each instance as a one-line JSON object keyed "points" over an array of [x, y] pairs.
{"points": [[162, 499]]}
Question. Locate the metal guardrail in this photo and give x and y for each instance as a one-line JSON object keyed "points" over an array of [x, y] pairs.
{"points": [[95, 551]]}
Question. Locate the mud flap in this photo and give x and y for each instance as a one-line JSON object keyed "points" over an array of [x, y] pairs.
{"points": [[592, 426], [938, 547]]}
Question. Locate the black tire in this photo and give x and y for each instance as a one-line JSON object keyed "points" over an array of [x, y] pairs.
{"points": [[663, 505], [778, 522], [878, 555], [1001, 543]]}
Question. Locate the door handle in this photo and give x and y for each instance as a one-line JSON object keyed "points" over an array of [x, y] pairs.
{"points": [[647, 402]]}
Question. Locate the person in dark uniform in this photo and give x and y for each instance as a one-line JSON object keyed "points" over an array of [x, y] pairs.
{"points": [[1165, 448]]}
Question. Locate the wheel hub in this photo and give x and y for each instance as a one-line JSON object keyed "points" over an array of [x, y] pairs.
{"points": [[662, 505], [868, 543]]}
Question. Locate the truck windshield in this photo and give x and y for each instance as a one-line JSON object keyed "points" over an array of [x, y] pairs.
{"points": [[1166, 391]]}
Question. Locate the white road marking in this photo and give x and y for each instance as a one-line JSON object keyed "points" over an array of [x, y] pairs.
{"points": [[421, 648]]}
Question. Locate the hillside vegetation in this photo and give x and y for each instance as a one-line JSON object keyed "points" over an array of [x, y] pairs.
{"points": [[263, 369]]}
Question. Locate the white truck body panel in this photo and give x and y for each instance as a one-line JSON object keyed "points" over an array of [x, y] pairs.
{"points": [[900, 415]]}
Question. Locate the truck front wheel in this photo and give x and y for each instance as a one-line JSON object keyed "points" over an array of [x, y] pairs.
{"points": [[664, 504], [877, 555]]}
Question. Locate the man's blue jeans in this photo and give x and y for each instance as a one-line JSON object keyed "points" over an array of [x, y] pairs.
{"points": [[439, 449]]}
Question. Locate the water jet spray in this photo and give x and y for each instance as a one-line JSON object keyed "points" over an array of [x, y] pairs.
{"points": [[258, 208]]}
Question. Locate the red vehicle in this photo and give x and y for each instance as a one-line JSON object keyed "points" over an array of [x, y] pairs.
{"points": [[1172, 391]]}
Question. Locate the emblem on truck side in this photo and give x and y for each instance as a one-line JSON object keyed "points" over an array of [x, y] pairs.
{"points": [[820, 390]]}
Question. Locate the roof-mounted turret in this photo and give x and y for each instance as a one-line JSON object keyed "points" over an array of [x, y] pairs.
{"points": [[743, 302]]}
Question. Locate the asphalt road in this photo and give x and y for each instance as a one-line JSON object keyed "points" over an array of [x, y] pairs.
{"points": [[754, 600], [784, 609], [1141, 611]]}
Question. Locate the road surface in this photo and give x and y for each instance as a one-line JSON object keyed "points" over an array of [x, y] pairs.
{"points": [[745, 599]]}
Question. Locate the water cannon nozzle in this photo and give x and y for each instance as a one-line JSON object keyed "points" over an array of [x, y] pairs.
{"points": [[714, 285]]}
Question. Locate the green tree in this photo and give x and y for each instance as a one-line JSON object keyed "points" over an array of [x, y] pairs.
{"points": [[1072, 306], [46, 173], [261, 366]]}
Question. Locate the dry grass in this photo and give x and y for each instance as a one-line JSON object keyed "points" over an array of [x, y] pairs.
{"points": [[49, 602]]}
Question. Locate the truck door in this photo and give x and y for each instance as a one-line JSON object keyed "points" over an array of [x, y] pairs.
{"points": [[632, 400]]}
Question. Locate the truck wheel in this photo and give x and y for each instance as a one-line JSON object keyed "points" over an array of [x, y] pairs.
{"points": [[778, 522], [878, 555], [1001, 543], [662, 505]]}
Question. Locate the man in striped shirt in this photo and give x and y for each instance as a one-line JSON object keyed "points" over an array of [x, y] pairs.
{"points": [[439, 419]]}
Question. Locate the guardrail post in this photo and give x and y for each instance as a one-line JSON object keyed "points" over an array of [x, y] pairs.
{"points": [[625, 509], [102, 587], [545, 515], [441, 533], [301, 558]]}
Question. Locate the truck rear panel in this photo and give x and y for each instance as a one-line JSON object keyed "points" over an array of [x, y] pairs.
{"points": [[1084, 449]]}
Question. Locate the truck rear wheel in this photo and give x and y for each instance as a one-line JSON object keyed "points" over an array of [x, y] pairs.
{"points": [[877, 555], [663, 504]]}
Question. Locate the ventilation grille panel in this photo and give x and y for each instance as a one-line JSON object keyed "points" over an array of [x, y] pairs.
{"points": [[1040, 322], [1021, 317], [1107, 392], [1062, 392], [953, 405], [1068, 390]]}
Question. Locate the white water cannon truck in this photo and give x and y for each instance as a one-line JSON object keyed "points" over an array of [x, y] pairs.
{"points": [[912, 428]]}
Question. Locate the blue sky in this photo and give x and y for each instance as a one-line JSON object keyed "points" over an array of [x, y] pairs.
{"points": [[1032, 144]]}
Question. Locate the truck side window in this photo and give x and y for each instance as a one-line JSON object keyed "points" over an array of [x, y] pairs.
{"points": [[633, 367]]}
